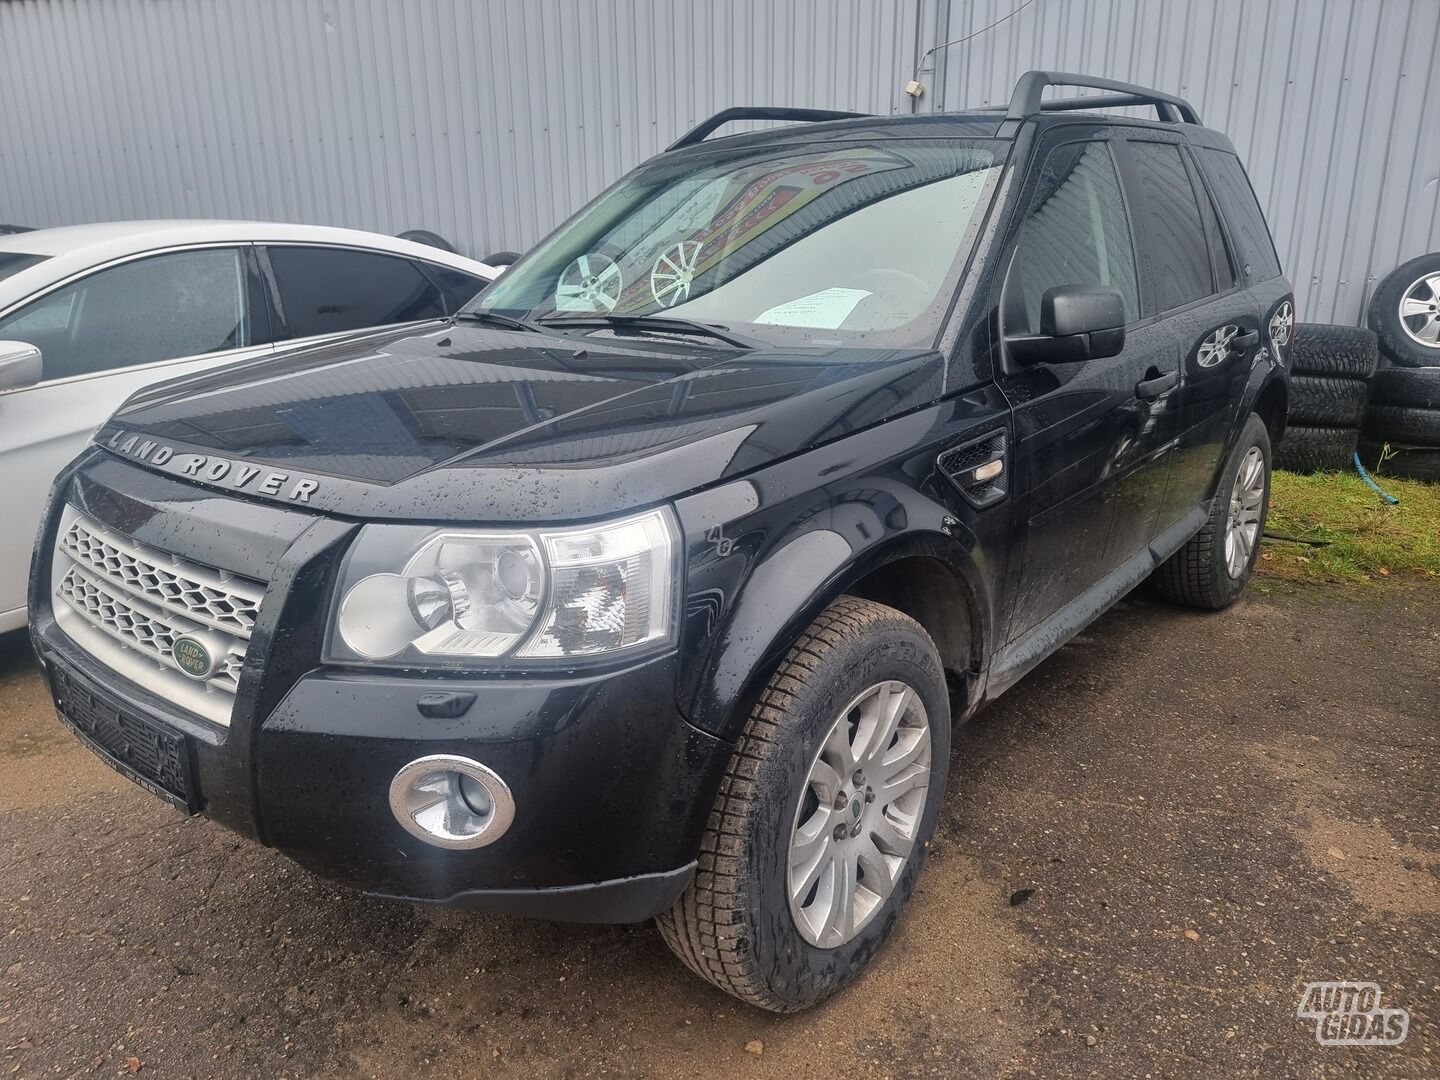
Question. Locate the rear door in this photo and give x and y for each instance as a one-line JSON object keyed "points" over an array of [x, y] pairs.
{"points": [[1200, 302]]}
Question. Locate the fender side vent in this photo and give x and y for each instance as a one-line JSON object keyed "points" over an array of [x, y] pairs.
{"points": [[979, 470]]}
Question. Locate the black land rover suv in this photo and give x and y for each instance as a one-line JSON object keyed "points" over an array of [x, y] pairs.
{"points": [[653, 583]]}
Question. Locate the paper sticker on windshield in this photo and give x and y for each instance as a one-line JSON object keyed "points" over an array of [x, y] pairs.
{"points": [[826, 309]]}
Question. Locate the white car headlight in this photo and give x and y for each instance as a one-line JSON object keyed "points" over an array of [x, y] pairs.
{"points": [[412, 596]]}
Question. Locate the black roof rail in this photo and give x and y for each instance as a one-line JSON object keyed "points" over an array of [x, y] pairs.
{"points": [[1026, 100], [698, 133]]}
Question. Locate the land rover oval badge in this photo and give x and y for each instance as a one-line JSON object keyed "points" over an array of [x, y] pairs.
{"points": [[193, 658]]}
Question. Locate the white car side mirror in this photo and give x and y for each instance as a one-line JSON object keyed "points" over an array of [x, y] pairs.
{"points": [[20, 365]]}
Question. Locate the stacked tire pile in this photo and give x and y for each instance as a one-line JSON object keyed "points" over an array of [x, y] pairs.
{"points": [[1330, 370], [1401, 434]]}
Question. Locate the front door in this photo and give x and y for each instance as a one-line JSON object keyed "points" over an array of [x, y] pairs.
{"points": [[1091, 436]]}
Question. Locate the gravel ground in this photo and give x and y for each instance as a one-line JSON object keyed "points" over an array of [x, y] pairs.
{"points": [[1210, 811]]}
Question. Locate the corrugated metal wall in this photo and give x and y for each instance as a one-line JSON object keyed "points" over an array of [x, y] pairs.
{"points": [[490, 121]]}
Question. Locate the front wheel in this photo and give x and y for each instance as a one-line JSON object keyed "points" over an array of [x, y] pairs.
{"points": [[1211, 570], [819, 829]]}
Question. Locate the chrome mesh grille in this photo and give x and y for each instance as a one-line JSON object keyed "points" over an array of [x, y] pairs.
{"points": [[225, 604], [152, 634], [127, 604]]}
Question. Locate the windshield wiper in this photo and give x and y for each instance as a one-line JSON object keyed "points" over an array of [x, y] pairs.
{"points": [[509, 322], [661, 324]]}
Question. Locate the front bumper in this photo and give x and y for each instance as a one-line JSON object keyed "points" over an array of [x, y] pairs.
{"points": [[612, 786]]}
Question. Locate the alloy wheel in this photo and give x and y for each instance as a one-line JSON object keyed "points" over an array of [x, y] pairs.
{"points": [[1247, 498], [1420, 311], [858, 817]]}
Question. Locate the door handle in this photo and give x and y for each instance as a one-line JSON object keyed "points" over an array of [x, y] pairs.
{"points": [[1241, 342], [1151, 388]]}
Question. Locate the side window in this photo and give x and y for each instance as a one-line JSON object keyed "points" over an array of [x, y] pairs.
{"points": [[325, 290], [1242, 212], [158, 308], [1075, 232], [458, 287], [1174, 232], [1220, 258]]}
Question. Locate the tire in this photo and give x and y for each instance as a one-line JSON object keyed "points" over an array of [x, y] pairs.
{"points": [[1396, 341], [1325, 401], [501, 258], [1418, 387], [428, 238], [1201, 574], [1414, 462], [1348, 352], [1403, 424], [1316, 449], [734, 925]]}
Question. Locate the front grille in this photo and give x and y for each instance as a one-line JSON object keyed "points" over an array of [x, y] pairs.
{"points": [[228, 605], [127, 604], [150, 634], [151, 752]]}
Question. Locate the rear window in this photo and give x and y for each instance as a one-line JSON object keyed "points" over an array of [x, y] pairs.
{"points": [[1242, 212], [12, 262]]}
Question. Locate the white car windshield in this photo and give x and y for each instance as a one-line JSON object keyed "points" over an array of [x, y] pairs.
{"points": [[825, 245]]}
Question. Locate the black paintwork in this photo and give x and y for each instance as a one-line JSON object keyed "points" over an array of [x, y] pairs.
{"points": [[796, 475]]}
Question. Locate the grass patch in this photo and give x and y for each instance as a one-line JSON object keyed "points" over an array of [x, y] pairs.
{"points": [[1369, 539]]}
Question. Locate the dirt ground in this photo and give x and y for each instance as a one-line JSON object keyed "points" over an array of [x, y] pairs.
{"points": [[1210, 811]]}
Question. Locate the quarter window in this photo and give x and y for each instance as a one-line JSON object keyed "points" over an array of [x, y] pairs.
{"points": [[159, 308], [1179, 256], [1075, 233], [327, 290]]}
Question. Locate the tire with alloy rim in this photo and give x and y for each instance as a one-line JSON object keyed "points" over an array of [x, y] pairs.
{"points": [[1316, 449], [1211, 570], [1324, 401], [820, 826], [1347, 352], [1405, 313], [1403, 424], [1418, 387]]}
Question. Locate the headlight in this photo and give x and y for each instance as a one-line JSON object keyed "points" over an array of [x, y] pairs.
{"points": [[414, 596]]}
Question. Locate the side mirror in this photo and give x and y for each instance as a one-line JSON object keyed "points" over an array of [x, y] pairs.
{"points": [[1077, 322], [20, 365]]}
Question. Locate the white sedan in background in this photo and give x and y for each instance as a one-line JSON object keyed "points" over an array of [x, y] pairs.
{"points": [[91, 313]]}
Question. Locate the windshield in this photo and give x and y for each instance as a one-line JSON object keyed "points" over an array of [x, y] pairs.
{"points": [[837, 244]]}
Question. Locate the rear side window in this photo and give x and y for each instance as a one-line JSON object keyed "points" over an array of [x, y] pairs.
{"points": [[1241, 211], [1219, 250], [327, 290], [1179, 254], [1075, 233]]}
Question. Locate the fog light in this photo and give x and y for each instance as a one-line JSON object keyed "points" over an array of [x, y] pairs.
{"points": [[451, 802]]}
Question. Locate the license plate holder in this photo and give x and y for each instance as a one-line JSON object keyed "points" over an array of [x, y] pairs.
{"points": [[144, 751]]}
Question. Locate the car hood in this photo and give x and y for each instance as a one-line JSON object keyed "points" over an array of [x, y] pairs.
{"points": [[462, 422]]}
